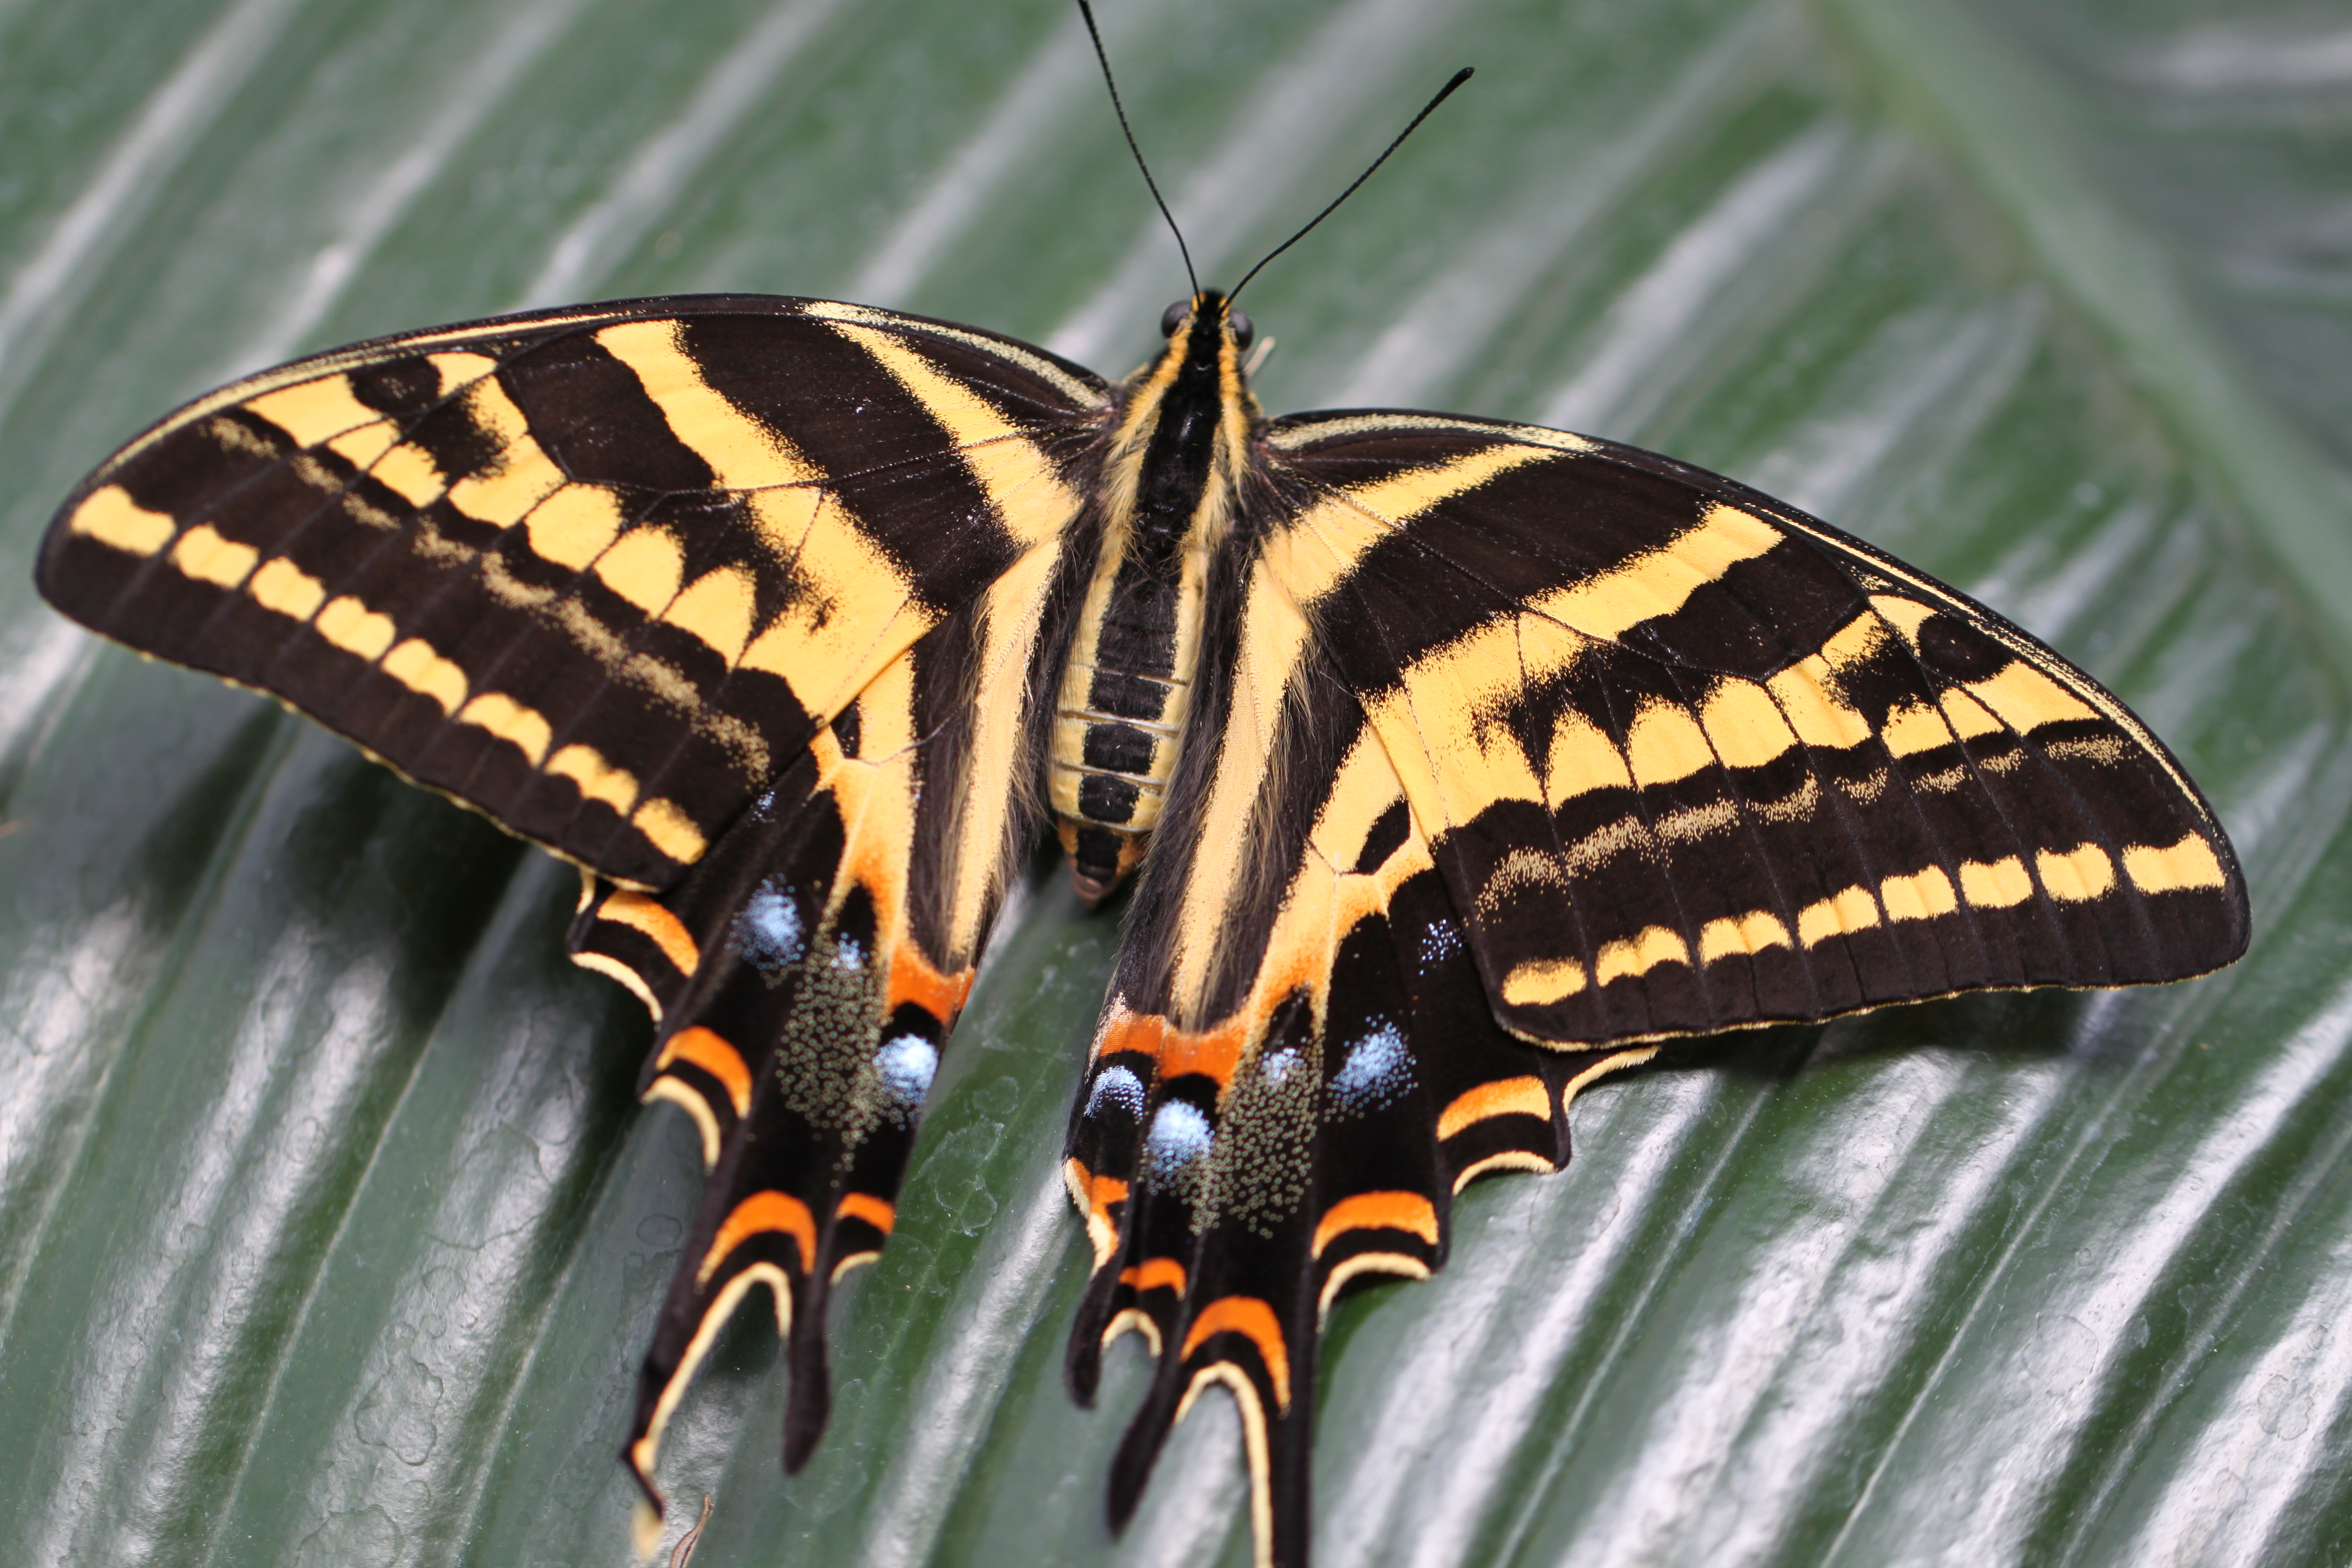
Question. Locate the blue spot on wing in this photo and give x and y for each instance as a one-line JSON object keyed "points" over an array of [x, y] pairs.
{"points": [[768, 930], [1179, 1134], [1377, 1070], [906, 1065], [1119, 1086], [1440, 942]]}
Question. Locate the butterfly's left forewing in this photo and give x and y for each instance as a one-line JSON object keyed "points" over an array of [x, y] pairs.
{"points": [[599, 572]]}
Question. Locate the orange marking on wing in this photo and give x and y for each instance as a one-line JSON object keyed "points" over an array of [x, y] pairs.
{"points": [[871, 1209], [1216, 1052], [913, 979], [1376, 1211], [665, 930], [756, 1215], [1102, 1192], [1303, 963], [1154, 1273], [1505, 1097], [706, 1050], [1094, 1195], [1124, 1031], [1246, 1315]]}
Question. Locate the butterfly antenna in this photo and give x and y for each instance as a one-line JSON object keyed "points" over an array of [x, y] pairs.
{"points": [[1121, 109], [1426, 110]]}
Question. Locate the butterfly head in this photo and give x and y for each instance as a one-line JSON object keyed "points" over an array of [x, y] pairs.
{"points": [[1208, 344], [1209, 306], [1195, 390]]}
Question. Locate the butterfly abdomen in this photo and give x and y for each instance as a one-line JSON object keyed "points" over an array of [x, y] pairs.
{"points": [[1128, 688], [1124, 698]]}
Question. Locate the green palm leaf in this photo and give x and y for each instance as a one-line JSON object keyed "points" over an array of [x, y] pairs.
{"points": [[328, 1233]]}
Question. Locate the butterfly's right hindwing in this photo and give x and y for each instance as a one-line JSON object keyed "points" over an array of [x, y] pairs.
{"points": [[1297, 1071]]}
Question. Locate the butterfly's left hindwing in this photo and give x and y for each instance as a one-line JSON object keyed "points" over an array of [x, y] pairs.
{"points": [[599, 572], [806, 973]]}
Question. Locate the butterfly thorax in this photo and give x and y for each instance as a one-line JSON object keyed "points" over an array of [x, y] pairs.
{"points": [[1171, 476]]}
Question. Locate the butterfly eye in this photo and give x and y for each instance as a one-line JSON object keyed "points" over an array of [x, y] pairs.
{"points": [[1244, 328], [1173, 317]]}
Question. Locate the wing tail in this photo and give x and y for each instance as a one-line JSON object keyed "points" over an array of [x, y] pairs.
{"points": [[801, 1022], [1238, 1177]]}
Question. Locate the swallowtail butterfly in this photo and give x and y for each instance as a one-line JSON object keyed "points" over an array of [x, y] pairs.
{"points": [[1454, 762]]}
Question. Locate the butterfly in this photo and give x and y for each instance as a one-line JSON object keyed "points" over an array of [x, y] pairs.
{"points": [[1453, 764]]}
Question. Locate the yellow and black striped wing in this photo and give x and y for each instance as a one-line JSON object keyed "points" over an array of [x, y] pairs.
{"points": [[600, 572], [1691, 760], [1517, 752]]}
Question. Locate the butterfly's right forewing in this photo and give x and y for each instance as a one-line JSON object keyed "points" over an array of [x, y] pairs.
{"points": [[1690, 759]]}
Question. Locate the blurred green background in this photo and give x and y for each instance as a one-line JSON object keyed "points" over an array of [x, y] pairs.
{"points": [[328, 1234]]}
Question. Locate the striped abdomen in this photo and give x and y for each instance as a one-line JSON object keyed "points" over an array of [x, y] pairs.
{"points": [[1121, 708]]}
